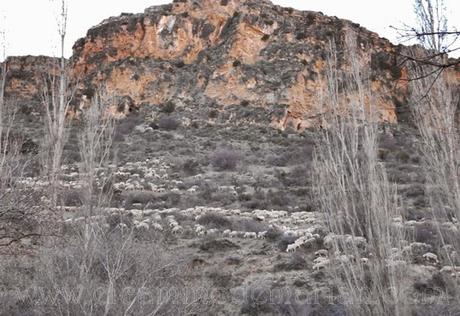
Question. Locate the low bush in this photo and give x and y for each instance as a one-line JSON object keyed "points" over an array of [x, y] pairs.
{"points": [[169, 107], [224, 159], [215, 221], [249, 225], [168, 123], [296, 262]]}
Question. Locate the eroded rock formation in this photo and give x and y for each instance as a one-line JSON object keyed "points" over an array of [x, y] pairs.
{"points": [[25, 79], [229, 55]]}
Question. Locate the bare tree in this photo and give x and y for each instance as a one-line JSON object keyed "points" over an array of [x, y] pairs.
{"points": [[355, 195], [436, 117], [56, 100], [433, 32], [95, 142], [17, 213]]}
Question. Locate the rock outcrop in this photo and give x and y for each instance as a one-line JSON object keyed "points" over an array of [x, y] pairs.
{"points": [[244, 60], [25, 79]]}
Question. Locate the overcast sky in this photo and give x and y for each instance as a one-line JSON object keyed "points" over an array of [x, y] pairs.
{"points": [[31, 24]]}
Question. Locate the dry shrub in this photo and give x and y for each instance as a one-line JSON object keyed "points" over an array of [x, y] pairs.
{"points": [[224, 159]]}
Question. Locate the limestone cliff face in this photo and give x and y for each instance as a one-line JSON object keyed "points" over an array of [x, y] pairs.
{"points": [[247, 60], [25, 78], [230, 53]]}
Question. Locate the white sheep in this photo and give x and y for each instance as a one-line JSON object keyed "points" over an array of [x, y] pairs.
{"points": [[143, 226], [431, 257], [213, 231], [250, 235], [226, 233], [156, 218], [122, 225], [157, 226], [292, 247], [234, 234], [289, 233], [177, 230], [321, 253], [364, 260], [453, 270], [320, 263], [262, 235], [173, 223], [199, 229], [305, 241]]}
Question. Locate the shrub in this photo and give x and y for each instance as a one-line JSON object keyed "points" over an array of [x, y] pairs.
{"points": [[285, 240], [215, 221], [224, 159], [213, 114], [169, 107], [142, 197], [249, 225], [212, 245], [220, 279], [72, 198], [126, 125], [296, 262], [403, 156], [191, 167], [168, 123]]}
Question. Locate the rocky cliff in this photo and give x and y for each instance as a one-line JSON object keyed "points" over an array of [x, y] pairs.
{"points": [[244, 60], [25, 79]]}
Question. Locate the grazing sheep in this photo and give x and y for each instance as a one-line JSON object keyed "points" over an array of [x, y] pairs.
{"points": [[157, 226], [349, 240], [156, 218], [292, 247], [122, 226], [143, 226], [453, 270], [199, 228], [226, 233], [365, 260], [173, 223], [213, 231], [250, 235], [262, 235], [431, 258], [289, 233], [321, 253], [177, 230], [320, 263], [234, 234]]}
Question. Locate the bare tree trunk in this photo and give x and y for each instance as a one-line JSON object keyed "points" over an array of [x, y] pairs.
{"points": [[2, 100], [56, 100], [354, 193]]}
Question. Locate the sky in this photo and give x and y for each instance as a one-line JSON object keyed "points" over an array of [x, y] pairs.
{"points": [[30, 25]]}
